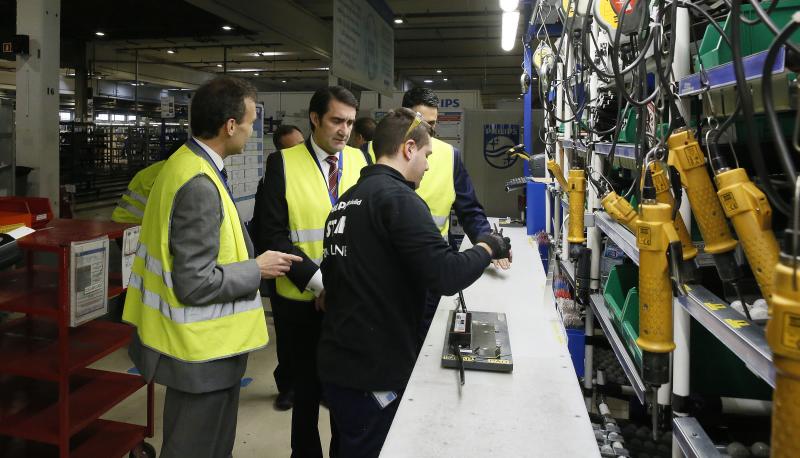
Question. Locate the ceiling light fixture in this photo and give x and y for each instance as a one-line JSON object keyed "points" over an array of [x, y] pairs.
{"points": [[508, 35], [227, 28], [428, 81], [283, 81], [219, 65], [255, 74], [444, 79], [509, 5], [398, 20], [170, 51], [438, 71], [100, 34]]}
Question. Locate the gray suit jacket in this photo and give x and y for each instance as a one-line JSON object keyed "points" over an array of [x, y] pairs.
{"points": [[198, 280]]}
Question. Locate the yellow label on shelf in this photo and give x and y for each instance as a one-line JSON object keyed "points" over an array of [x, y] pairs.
{"points": [[714, 307], [737, 324], [791, 331]]}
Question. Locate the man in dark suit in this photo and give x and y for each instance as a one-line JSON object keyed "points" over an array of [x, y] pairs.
{"points": [[300, 186]]}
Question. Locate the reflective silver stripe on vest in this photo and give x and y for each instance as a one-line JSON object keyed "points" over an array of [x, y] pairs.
{"points": [[440, 220], [154, 265], [317, 261], [130, 208], [307, 235], [192, 314], [135, 195]]}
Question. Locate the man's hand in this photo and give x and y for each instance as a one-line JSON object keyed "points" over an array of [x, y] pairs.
{"points": [[319, 302], [500, 246], [273, 264], [504, 263]]}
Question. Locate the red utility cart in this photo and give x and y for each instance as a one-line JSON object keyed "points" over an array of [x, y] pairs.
{"points": [[50, 403]]}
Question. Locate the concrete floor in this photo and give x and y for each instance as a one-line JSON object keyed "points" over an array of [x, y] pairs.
{"points": [[262, 431]]}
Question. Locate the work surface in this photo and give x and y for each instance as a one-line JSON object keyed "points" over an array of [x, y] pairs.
{"points": [[535, 411]]}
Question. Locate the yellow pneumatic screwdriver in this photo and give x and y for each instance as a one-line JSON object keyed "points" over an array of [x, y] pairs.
{"points": [[751, 215], [783, 335]]}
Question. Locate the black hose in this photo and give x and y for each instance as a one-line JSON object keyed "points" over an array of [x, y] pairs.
{"points": [[749, 116], [769, 103]]}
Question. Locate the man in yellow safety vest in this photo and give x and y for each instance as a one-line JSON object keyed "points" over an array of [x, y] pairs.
{"points": [[193, 292]]}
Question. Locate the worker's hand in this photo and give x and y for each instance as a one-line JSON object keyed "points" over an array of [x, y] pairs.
{"points": [[504, 263], [274, 264], [500, 246], [319, 302]]}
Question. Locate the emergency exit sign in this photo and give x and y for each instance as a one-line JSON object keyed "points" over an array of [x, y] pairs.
{"points": [[13, 46]]}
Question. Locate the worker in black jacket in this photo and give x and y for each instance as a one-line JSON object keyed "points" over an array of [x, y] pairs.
{"points": [[382, 252]]}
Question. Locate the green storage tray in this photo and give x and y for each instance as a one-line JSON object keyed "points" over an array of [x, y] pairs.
{"points": [[629, 326], [754, 38], [621, 279]]}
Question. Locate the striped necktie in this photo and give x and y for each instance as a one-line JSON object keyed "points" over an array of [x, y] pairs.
{"points": [[333, 174]]}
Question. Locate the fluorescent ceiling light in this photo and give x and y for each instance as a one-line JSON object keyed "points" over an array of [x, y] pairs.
{"points": [[444, 79], [398, 20], [170, 51], [227, 28], [438, 71], [255, 74], [509, 32], [283, 81], [269, 53], [509, 5], [219, 65], [100, 34], [427, 81], [246, 70]]}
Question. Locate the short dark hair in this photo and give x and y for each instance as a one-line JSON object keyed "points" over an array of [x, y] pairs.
{"points": [[217, 101], [283, 129], [390, 132], [321, 100], [366, 127], [420, 96]]}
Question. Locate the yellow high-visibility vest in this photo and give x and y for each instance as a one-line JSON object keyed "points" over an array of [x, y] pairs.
{"points": [[130, 207], [437, 187], [309, 204], [164, 324]]}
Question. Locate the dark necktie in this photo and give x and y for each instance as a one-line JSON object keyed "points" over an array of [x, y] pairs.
{"points": [[224, 174], [333, 174]]}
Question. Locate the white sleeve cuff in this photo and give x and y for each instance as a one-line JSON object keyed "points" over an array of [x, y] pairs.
{"points": [[315, 284]]}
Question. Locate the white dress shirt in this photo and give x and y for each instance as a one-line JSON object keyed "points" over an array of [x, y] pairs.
{"points": [[321, 156], [212, 154]]}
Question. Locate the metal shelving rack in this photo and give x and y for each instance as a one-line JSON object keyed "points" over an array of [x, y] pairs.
{"points": [[57, 401], [7, 159], [692, 439], [743, 338], [600, 310]]}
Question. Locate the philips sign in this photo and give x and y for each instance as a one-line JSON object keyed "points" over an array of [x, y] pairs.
{"points": [[449, 103]]}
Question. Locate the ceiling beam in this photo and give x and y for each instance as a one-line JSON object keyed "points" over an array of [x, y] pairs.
{"points": [[297, 24]]}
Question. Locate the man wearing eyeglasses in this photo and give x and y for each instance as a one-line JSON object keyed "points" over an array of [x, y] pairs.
{"points": [[446, 186], [382, 252]]}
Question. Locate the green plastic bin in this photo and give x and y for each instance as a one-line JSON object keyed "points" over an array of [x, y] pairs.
{"points": [[621, 279]]}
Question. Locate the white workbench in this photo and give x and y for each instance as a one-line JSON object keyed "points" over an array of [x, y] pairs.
{"points": [[536, 411]]}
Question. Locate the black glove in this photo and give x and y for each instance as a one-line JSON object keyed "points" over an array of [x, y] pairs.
{"points": [[501, 246]]}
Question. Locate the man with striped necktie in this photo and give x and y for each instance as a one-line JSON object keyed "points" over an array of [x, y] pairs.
{"points": [[301, 184]]}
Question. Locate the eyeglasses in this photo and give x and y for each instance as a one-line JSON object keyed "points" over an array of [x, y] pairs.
{"points": [[416, 122]]}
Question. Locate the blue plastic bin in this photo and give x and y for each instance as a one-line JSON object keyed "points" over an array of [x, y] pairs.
{"points": [[576, 342]]}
